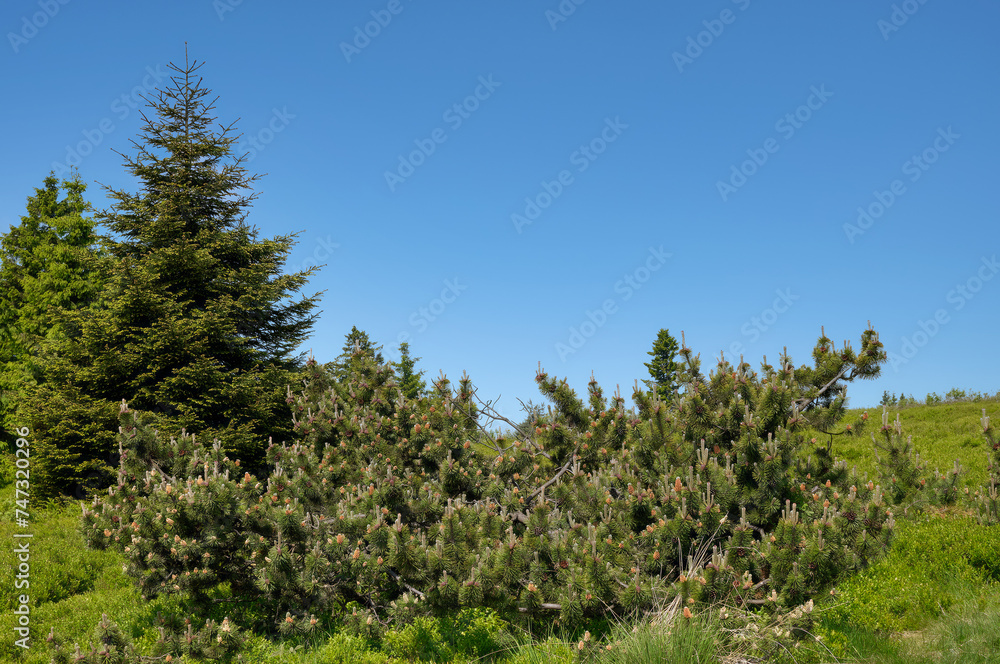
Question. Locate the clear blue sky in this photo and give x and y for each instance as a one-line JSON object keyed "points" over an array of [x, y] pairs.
{"points": [[695, 166]]}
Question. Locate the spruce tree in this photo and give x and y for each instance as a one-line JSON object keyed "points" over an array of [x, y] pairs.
{"points": [[663, 368], [47, 264], [357, 345], [411, 382], [198, 325]]}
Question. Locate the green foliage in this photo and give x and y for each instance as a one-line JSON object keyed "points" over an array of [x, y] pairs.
{"points": [[213, 642], [410, 381], [471, 634], [988, 498], [899, 468], [934, 563], [902, 400], [218, 525], [663, 367], [534, 415], [73, 439], [551, 649], [966, 632], [981, 549], [7, 476], [47, 265], [383, 504], [357, 345], [844, 642], [64, 568], [685, 640], [194, 323], [955, 394], [70, 586], [941, 434], [967, 635], [905, 476], [340, 648]]}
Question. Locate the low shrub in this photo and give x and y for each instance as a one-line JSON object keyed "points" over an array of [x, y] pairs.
{"points": [[384, 505], [934, 563]]}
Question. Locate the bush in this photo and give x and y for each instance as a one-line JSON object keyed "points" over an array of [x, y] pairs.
{"points": [[903, 474], [384, 504], [470, 634], [934, 562], [988, 498], [981, 549]]}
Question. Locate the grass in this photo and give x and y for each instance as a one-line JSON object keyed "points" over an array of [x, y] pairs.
{"points": [[934, 599], [694, 640], [966, 633], [942, 433], [937, 562]]}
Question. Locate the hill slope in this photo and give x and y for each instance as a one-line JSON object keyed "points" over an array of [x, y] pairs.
{"points": [[941, 432]]}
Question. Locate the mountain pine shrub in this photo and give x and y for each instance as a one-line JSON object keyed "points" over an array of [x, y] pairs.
{"points": [[905, 476], [213, 641], [988, 498], [383, 508]]}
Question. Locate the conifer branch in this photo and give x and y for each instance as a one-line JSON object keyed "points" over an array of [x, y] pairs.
{"points": [[569, 462], [804, 402], [400, 581], [489, 411], [548, 606]]}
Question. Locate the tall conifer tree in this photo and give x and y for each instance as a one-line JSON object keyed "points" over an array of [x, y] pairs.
{"points": [[357, 345], [47, 264], [411, 381], [198, 324], [663, 367]]}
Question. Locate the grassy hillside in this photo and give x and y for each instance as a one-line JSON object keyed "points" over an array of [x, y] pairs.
{"points": [[941, 432]]}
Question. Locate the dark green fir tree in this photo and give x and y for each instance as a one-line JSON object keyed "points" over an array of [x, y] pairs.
{"points": [[357, 345], [199, 324], [411, 381], [663, 368], [47, 265]]}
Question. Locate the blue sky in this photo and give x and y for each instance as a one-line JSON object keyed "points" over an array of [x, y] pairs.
{"points": [[503, 184]]}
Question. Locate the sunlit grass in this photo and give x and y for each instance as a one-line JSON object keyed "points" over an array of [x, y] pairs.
{"points": [[941, 432]]}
